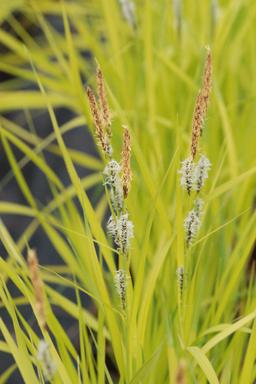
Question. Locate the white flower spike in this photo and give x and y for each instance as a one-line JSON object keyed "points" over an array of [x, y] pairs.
{"points": [[45, 358], [191, 224], [201, 173], [187, 174], [112, 176], [121, 230], [121, 279], [128, 10]]}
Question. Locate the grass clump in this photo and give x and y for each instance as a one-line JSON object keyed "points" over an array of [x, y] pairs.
{"points": [[164, 289]]}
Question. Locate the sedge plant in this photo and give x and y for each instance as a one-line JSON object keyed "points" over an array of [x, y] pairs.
{"points": [[165, 257]]}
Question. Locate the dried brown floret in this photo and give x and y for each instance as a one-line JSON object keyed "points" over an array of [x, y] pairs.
{"points": [[201, 105], [126, 162], [38, 287], [103, 139], [105, 111]]}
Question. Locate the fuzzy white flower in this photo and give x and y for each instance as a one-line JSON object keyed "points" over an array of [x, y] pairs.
{"points": [[112, 176], [191, 224], [121, 229], [201, 172], [111, 172], [180, 277], [121, 279], [112, 227], [187, 174], [45, 358], [128, 10]]}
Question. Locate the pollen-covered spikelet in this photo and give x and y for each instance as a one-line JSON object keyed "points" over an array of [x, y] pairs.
{"points": [[126, 162], [102, 137], [128, 10], [104, 107], [112, 177], [121, 280], [193, 175], [187, 174], [201, 105], [180, 279], [201, 172], [121, 230], [46, 361], [192, 222], [38, 287]]}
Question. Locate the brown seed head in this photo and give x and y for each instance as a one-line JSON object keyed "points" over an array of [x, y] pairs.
{"points": [[181, 373], [126, 162], [197, 123], [207, 80], [38, 287], [105, 111], [201, 105], [96, 116]]}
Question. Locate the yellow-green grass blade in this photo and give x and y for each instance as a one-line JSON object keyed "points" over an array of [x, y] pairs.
{"points": [[40, 163], [148, 366], [20, 357], [74, 73], [61, 369], [149, 286], [82, 324], [77, 157], [16, 209], [19, 176], [5, 376], [228, 331], [67, 194], [249, 360], [19, 350], [233, 183], [228, 135], [9, 244], [204, 363], [4, 347], [51, 38], [32, 100], [8, 7], [233, 272], [26, 74], [101, 349], [72, 309]]}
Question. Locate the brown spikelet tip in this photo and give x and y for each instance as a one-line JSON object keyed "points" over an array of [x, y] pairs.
{"points": [[207, 79], [38, 286], [181, 373], [105, 111], [96, 116], [201, 105], [126, 161], [95, 113]]}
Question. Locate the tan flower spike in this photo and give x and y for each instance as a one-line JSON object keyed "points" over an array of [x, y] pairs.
{"points": [[201, 105], [96, 118], [126, 161], [38, 287], [104, 107]]}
